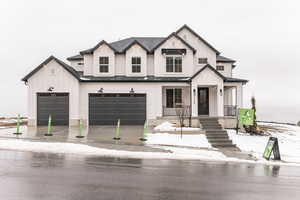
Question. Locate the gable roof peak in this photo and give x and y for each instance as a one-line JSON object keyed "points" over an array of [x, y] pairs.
{"points": [[67, 67], [185, 26], [174, 34], [135, 41], [211, 68], [90, 51]]}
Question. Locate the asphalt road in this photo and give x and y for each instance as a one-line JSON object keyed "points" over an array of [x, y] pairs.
{"points": [[55, 176]]}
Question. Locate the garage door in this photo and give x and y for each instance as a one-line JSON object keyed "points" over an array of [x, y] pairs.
{"points": [[54, 104], [106, 109]]}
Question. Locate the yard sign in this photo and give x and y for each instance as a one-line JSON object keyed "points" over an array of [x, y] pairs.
{"points": [[272, 146], [246, 116]]}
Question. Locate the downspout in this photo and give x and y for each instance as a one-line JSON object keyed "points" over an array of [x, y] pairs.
{"points": [[191, 96]]}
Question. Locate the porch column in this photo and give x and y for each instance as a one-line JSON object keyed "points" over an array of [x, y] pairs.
{"points": [[220, 101], [194, 101], [239, 95]]}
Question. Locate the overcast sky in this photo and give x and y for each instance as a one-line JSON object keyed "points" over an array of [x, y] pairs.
{"points": [[263, 36]]}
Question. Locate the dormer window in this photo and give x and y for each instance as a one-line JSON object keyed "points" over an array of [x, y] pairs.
{"points": [[136, 64], [202, 61], [173, 64], [103, 64]]}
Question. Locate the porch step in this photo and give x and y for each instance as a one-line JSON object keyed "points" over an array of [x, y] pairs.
{"points": [[224, 145], [212, 127], [213, 136], [220, 140], [215, 133]]}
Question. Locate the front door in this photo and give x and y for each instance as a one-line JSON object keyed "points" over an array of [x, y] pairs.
{"points": [[203, 101]]}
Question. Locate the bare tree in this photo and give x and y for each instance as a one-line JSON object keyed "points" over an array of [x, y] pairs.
{"points": [[182, 113]]}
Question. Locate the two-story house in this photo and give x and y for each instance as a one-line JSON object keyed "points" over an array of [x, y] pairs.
{"points": [[135, 79]]}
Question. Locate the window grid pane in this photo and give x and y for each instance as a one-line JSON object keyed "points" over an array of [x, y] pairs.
{"points": [[202, 60], [220, 67], [169, 98], [103, 68], [103, 60], [178, 64], [170, 64], [136, 68], [178, 96]]}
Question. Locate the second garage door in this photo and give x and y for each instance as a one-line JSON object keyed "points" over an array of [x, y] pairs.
{"points": [[106, 109]]}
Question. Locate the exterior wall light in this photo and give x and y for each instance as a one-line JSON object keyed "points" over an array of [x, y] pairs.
{"points": [[221, 92], [100, 90], [50, 89], [131, 91]]}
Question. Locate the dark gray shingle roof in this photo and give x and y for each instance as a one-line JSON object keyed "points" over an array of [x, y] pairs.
{"points": [[147, 42], [224, 59], [76, 57], [235, 80]]}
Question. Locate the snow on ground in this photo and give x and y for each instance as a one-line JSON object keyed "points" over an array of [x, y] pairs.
{"points": [[82, 149], [167, 126], [85, 150], [198, 140], [288, 137]]}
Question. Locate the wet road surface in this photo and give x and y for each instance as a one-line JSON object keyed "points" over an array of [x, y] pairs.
{"points": [[25, 175]]}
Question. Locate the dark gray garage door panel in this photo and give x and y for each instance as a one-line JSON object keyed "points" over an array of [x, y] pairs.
{"points": [[106, 109], [54, 104]]}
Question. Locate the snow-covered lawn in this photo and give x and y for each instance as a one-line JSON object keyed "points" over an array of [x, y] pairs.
{"points": [[187, 140], [85, 150], [288, 137], [82, 149], [167, 126]]}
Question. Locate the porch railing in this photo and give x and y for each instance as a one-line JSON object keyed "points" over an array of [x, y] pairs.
{"points": [[230, 110], [172, 111]]}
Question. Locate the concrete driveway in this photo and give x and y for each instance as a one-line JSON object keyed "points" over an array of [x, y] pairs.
{"points": [[94, 134]]}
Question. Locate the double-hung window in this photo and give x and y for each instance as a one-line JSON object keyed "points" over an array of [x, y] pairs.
{"points": [[173, 97], [103, 64], [202, 61], [173, 64], [136, 64], [220, 67]]}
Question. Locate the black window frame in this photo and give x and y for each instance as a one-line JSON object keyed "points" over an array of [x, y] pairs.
{"points": [[202, 60], [220, 67], [174, 64], [136, 64], [173, 97], [103, 64]]}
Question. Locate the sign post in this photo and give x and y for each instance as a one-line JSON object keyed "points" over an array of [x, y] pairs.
{"points": [[49, 133], [117, 137], [272, 146]]}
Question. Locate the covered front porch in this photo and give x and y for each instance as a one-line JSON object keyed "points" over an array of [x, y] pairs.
{"points": [[202, 100]]}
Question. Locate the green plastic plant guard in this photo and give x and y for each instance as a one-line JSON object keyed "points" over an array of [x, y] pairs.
{"points": [[145, 132], [117, 137], [18, 126], [80, 130], [49, 127]]}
